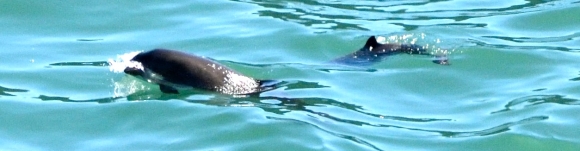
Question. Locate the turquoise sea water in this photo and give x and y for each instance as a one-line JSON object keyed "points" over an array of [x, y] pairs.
{"points": [[513, 82]]}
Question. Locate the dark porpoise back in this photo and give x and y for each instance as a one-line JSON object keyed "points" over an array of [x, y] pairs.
{"points": [[171, 69], [373, 52]]}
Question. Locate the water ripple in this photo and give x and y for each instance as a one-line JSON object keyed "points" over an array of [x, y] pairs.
{"points": [[504, 46], [300, 104], [537, 39], [325, 67], [286, 105], [534, 100], [6, 91], [451, 134], [336, 15], [344, 136], [493, 130]]}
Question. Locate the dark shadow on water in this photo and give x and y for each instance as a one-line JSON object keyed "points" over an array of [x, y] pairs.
{"points": [[90, 40], [94, 63], [575, 79], [67, 99], [4, 91], [535, 100]]}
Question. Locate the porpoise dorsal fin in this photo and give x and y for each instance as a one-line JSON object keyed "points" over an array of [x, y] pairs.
{"points": [[371, 42]]}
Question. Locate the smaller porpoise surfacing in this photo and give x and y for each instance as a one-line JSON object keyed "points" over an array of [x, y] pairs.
{"points": [[374, 51], [173, 69]]}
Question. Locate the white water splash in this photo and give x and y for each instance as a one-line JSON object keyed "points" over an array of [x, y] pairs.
{"points": [[125, 86], [123, 61]]}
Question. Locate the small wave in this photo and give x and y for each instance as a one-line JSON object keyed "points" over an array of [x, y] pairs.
{"points": [[534, 100]]}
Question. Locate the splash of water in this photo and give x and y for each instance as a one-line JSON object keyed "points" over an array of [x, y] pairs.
{"points": [[125, 87], [124, 61]]}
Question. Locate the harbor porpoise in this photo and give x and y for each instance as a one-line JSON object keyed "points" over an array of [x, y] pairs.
{"points": [[373, 52], [174, 69]]}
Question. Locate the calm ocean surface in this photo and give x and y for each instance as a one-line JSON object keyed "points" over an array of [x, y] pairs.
{"points": [[513, 82]]}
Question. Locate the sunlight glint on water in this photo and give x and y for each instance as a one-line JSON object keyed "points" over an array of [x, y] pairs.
{"points": [[432, 45]]}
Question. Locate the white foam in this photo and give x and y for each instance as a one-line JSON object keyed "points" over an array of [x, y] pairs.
{"points": [[123, 61]]}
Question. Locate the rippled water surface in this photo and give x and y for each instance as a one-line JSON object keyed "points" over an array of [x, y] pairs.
{"points": [[513, 82]]}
